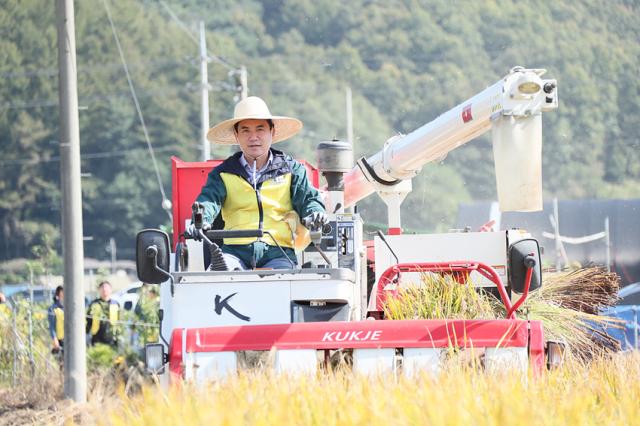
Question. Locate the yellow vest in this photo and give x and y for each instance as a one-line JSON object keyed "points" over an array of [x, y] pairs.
{"points": [[240, 209], [98, 314], [59, 313]]}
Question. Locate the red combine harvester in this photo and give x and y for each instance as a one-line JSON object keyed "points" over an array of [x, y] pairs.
{"points": [[303, 315]]}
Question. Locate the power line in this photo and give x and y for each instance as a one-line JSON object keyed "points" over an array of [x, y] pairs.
{"points": [[165, 200]]}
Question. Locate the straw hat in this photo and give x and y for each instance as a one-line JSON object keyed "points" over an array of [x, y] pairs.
{"points": [[253, 108]]}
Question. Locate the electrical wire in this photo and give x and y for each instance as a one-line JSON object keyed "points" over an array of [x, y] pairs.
{"points": [[140, 116]]}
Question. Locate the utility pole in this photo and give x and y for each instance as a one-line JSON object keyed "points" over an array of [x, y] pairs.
{"points": [[350, 119], [607, 241], [112, 251], [244, 88], [75, 367], [204, 90]]}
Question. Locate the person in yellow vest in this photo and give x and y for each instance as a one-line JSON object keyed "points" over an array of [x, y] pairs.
{"points": [[258, 188], [4, 308], [5, 317], [55, 315], [102, 317]]}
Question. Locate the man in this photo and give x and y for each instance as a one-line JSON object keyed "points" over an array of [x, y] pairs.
{"points": [[55, 315], [4, 308], [258, 188], [102, 317]]}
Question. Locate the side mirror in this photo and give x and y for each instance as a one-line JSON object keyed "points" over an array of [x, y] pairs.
{"points": [[152, 256], [522, 253]]}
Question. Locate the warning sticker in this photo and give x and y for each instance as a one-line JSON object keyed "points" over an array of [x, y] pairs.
{"points": [[466, 114]]}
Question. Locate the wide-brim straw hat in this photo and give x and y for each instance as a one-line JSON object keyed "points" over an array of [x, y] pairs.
{"points": [[253, 108]]}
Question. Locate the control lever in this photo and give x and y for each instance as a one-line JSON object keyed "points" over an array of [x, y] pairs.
{"points": [[384, 240], [315, 234], [197, 210]]}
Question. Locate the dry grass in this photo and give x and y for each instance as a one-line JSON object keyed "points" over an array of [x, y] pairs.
{"points": [[605, 393]]}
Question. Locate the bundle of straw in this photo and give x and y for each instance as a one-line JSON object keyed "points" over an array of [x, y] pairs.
{"points": [[586, 290], [567, 304]]}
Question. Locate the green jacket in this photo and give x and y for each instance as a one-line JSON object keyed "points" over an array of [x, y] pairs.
{"points": [[258, 211]]}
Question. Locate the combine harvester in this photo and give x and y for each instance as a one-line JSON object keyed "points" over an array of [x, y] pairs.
{"points": [[303, 316]]}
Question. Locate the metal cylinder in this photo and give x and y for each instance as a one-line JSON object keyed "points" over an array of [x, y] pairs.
{"points": [[334, 156]]}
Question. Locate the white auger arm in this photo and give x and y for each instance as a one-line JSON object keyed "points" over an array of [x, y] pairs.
{"points": [[511, 107]]}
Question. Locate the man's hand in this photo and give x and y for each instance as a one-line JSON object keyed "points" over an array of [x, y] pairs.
{"points": [[315, 220], [193, 233]]}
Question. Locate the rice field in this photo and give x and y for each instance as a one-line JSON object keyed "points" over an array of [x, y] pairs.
{"points": [[606, 392], [600, 389]]}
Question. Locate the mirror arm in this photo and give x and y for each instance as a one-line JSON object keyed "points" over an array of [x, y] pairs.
{"points": [[152, 253], [529, 262]]}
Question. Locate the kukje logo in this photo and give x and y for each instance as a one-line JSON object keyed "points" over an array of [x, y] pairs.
{"points": [[224, 304], [351, 336]]}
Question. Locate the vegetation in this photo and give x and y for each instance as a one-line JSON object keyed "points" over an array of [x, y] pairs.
{"points": [[406, 61]]}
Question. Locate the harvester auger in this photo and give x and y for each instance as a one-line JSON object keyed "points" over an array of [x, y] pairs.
{"points": [[304, 314]]}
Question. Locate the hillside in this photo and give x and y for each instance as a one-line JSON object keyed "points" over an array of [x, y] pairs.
{"points": [[405, 61]]}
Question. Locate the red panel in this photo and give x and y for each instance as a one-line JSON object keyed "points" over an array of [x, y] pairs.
{"points": [[175, 354], [394, 231], [361, 334], [187, 181], [536, 347], [371, 251]]}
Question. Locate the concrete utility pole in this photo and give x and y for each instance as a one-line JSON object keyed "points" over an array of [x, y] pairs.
{"points": [[75, 367], [350, 119], [244, 88], [204, 90], [112, 252]]}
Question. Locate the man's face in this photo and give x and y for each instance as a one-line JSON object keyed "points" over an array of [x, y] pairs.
{"points": [[254, 138], [105, 291]]}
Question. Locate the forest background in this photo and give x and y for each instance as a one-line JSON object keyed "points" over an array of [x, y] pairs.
{"points": [[406, 62]]}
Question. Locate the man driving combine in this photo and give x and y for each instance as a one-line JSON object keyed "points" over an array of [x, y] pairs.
{"points": [[258, 188]]}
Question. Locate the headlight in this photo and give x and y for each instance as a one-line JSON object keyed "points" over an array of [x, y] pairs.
{"points": [[154, 357]]}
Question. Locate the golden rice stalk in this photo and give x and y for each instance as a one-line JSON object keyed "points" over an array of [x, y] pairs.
{"points": [[439, 297]]}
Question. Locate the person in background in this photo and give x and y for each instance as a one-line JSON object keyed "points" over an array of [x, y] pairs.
{"points": [[55, 315], [102, 316], [4, 308]]}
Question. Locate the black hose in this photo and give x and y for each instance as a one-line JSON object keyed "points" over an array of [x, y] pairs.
{"points": [[217, 259]]}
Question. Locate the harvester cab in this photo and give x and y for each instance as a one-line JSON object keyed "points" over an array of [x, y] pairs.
{"points": [[334, 300]]}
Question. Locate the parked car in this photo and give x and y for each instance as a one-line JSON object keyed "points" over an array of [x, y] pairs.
{"points": [[629, 295], [128, 298], [628, 310], [41, 294]]}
